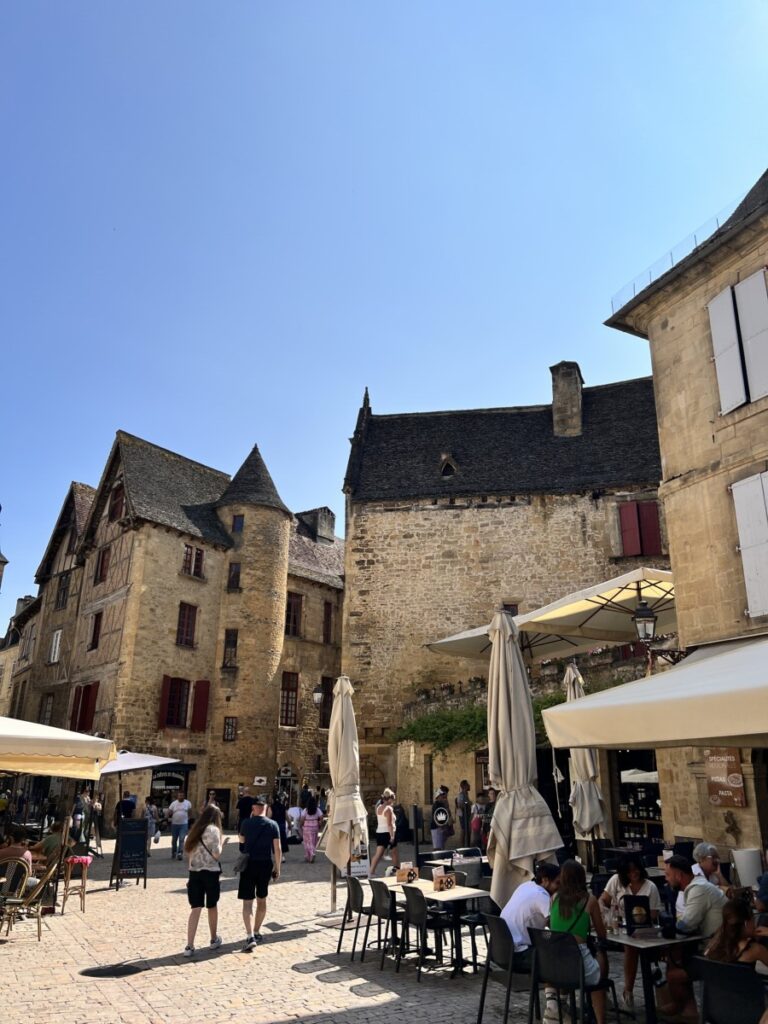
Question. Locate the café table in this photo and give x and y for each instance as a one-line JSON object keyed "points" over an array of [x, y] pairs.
{"points": [[647, 947]]}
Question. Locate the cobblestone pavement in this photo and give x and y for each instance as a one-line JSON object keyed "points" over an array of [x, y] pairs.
{"points": [[294, 976]]}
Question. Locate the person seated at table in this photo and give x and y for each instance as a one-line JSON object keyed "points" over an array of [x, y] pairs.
{"points": [[706, 865], [50, 846], [16, 849], [735, 940], [576, 911], [529, 907], [631, 879]]}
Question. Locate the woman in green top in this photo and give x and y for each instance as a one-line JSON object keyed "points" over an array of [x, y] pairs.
{"points": [[576, 911]]}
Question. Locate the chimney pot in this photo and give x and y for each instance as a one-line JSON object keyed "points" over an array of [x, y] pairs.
{"points": [[567, 384]]}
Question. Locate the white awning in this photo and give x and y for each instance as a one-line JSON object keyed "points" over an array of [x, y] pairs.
{"points": [[33, 749], [718, 695]]}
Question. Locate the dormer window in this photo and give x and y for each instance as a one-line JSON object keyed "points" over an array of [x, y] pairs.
{"points": [[447, 467], [117, 503]]}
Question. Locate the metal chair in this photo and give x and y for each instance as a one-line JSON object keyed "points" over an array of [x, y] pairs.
{"points": [[468, 851], [731, 993], [419, 916], [15, 873], [501, 953], [31, 902], [557, 961], [355, 905], [598, 883], [383, 909]]}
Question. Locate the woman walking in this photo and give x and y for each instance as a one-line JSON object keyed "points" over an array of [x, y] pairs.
{"points": [[150, 813], [386, 830], [204, 847], [279, 815], [309, 824]]}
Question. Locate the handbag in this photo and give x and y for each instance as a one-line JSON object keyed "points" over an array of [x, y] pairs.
{"points": [[241, 863]]}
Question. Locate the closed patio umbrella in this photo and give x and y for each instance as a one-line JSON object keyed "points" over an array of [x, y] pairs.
{"points": [[347, 828], [522, 827], [586, 798]]}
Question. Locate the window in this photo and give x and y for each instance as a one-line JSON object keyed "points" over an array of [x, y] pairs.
{"points": [[116, 503], [293, 615], [173, 703], [237, 524], [511, 607], [102, 565], [83, 707], [62, 591], [328, 622], [53, 657], [192, 562], [230, 729], [185, 630], [197, 568], [28, 642], [750, 498], [289, 698], [233, 576], [230, 648], [640, 530], [186, 562], [326, 684], [45, 712], [95, 631], [738, 320]]}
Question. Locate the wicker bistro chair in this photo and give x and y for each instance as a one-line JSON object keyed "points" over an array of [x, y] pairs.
{"points": [[731, 993], [419, 916], [355, 905], [501, 953], [557, 961], [15, 872], [383, 908], [32, 902]]}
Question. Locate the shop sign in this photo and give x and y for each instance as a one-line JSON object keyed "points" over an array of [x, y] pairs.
{"points": [[725, 781]]}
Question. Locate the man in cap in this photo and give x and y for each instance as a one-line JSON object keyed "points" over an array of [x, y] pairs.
{"points": [[260, 839]]}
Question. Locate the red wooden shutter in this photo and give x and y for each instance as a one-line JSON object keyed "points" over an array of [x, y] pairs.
{"points": [[650, 531], [630, 528], [88, 707], [200, 706], [75, 713], [165, 693]]}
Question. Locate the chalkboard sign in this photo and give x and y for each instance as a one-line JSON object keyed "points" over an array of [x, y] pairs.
{"points": [[130, 859]]}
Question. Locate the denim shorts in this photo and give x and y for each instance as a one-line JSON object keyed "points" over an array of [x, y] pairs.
{"points": [[591, 966]]}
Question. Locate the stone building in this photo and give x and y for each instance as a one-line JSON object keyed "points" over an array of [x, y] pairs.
{"points": [[707, 322], [202, 616], [451, 514]]}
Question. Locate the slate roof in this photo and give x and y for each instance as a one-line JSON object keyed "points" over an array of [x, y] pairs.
{"points": [[753, 206], [75, 510], [315, 560], [252, 485], [508, 451]]}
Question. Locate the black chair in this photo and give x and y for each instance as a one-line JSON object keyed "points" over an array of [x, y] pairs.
{"points": [[383, 909], [731, 993], [355, 905], [557, 961], [501, 954], [684, 848], [598, 883], [419, 916], [611, 865], [467, 851]]}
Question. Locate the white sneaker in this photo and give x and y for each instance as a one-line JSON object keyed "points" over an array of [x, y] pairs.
{"points": [[189, 951], [215, 943], [551, 1015]]}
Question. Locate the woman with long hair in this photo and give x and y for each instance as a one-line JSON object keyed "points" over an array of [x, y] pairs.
{"points": [[575, 910], [386, 830], [204, 847], [734, 941], [309, 825]]}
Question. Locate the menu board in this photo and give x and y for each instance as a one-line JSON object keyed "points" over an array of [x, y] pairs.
{"points": [[725, 781], [130, 859]]}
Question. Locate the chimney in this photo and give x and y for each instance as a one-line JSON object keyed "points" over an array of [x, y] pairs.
{"points": [[321, 522], [567, 383]]}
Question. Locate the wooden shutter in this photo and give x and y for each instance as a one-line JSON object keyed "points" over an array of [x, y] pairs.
{"points": [[630, 528], [165, 693], [725, 344], [650, 531], [752, 306], [88, 707], [751, 503], [75, 713], [200, 706]]}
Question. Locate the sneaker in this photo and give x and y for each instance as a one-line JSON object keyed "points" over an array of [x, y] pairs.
{"points": [[387, 857], [179, 857], [250, 943], [189, 951], [258, 938], [551, 1015], [215, 943]]}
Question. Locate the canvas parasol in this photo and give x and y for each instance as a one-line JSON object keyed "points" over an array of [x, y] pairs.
{"points": [[522, 827], [33, 749], [347, 818], [586, 798]]}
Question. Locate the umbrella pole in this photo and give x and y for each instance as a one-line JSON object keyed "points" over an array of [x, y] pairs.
{"points": [[334, 881]]}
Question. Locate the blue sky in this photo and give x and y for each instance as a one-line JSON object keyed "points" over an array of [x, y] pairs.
{"points": [[220, 222]]}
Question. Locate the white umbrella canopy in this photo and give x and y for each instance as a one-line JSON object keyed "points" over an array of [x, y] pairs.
{"points": [[128, 761], [347, 817], [522, 827], [586, 800], [32, 749]]}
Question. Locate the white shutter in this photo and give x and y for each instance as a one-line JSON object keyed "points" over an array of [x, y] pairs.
{"points": [[55, 646], [752, 305], [725, 343], [750, 498]]}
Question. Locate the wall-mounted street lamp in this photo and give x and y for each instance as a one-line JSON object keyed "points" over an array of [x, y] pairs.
{"points": [[318, 696], [645, 622]]}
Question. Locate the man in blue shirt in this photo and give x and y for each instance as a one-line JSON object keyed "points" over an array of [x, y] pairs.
{"points": [[260, 839]]}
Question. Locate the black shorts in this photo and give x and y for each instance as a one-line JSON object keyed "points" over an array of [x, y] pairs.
{"points": [[383, 839], [254, 881], [204, 888]]}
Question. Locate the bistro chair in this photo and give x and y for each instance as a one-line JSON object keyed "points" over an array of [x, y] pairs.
{"points": [[598, 883], [731, 993], [15, 872], [557, 961], [468, 851], [383, 909], [501, 953], [683, 848], [420, 917], [32, 902], [355, 905]]}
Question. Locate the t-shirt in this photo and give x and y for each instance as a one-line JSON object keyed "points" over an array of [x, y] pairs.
{"points": [[617, 891], [180, 812], [127, 807], [259, 833], [201, 859], [16, 853], [244, 807], [527, 907]]}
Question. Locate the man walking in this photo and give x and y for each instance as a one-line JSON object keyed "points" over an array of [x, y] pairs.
{"points": [[179, 814], [260, 839], [463, 804]]}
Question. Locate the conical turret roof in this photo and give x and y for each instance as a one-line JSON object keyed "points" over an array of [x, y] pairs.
{"points": [[252, 485]]}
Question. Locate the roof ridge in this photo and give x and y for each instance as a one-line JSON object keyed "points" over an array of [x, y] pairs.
{"points": [[124, 435]]}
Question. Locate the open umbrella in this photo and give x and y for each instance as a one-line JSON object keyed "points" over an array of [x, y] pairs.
{"points": [[586, 798], [522, 827], [128, 761], [32, 749], [347, 818]]}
